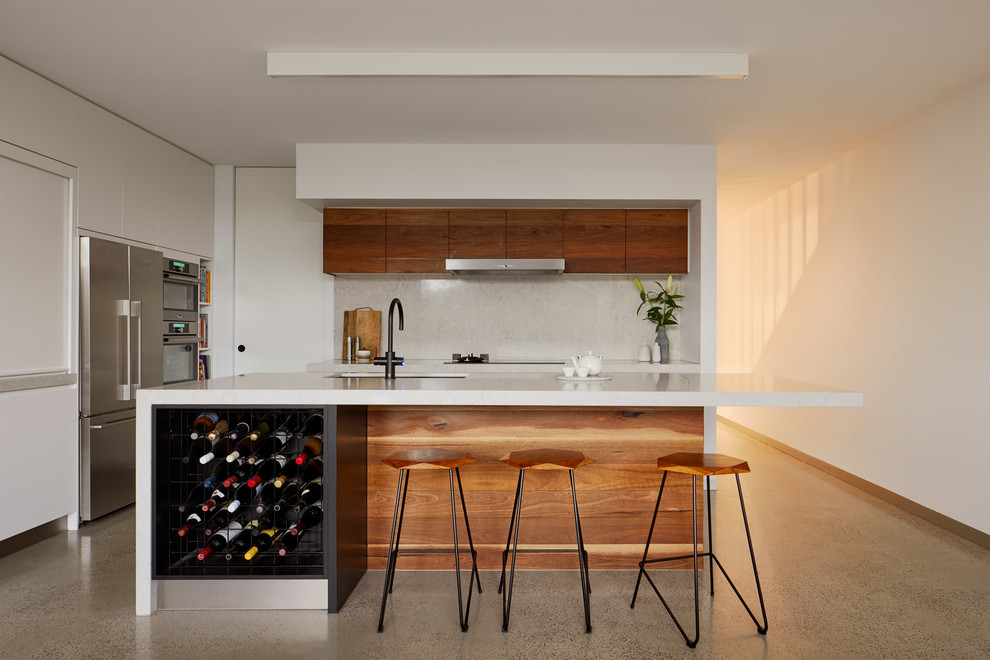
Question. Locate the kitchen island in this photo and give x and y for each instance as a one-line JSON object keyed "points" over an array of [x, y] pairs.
{"points": [[624, 423]]}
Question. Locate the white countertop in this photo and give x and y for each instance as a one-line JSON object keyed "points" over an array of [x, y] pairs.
{"points": [[530, 365], [502, 389]]}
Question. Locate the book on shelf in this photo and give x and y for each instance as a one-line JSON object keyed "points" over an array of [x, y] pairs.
{"points": [[204, 329], [204, 367], [204, 289]]}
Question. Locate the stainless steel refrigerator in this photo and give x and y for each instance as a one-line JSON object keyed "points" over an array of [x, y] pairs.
{"points": [[120, 351]]}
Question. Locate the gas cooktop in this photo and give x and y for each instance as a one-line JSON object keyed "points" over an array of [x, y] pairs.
{"points": [[471, 358]]}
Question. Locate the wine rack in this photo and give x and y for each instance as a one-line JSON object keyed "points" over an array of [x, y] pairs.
{"points": [[173, 481]]}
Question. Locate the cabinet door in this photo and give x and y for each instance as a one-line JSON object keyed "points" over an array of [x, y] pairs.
{"points": [[534, 234], [657, 241], [101, 172], [477, 233], [178, 221], [140, 188], [416, 240], [594, 241], [37, 114], [353, 241]]}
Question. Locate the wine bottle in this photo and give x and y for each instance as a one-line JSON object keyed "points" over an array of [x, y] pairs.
{"points": [[313, 469], [311, 494], [223, 446], [195, 498], [219, 540], [312, 426], [220, 472], [242, 495], [198, 448], [270, 444], [223, 518], [238, 474], [217, 498], [264, 427], [311, 448], [219, 429], [311, 517], [288, 472], [268, 518], [195, 518], [289, 495], [266, 496], [241, 429], [262, 542], [240, 544], [288, 542], [203, 424], [268, 470], [245, 447]]}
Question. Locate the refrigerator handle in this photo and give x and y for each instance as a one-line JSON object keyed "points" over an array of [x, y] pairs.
{"points": [[136, 313], [124, 313]]}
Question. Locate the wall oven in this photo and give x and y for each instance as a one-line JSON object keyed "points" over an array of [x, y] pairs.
{"points": [[180, 289], [181, 359]]}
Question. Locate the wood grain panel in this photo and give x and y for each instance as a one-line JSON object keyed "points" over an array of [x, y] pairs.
{"points": [[534, 233], [657, 241], [353, 241], [416, 240], [477, 233], [594, 241], [616, 494]]}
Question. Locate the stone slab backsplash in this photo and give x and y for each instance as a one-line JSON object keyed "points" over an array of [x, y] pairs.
{"points": [[507, 317]]}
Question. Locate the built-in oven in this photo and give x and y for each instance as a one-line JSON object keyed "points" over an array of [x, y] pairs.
{"points": [[180, 289], [181, 359]]}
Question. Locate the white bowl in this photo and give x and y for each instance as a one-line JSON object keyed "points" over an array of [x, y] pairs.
{"points": [[582, 372], [364, 354], [569, 372]]}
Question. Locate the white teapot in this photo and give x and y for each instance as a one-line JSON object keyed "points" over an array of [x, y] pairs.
{"points": [[592, 362]]}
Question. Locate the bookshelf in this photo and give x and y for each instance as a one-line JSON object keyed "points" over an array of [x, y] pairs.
{"points": [[205, 306]]}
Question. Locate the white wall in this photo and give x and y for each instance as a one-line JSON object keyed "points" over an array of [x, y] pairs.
{"points": [[279, 286], [873, 274]]}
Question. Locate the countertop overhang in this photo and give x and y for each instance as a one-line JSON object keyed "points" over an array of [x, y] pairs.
{"points": [[503, 389]]}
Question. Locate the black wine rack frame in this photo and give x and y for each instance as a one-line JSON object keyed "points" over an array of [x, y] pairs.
{"points": [[173, 481]]}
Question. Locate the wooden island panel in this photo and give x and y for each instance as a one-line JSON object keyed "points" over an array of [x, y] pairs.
{"points": [[616, 493]]}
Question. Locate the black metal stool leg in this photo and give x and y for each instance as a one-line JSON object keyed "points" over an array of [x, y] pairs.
{"points": [[649, 539], [398, 534], [742, 505], [467, 526], [582, 558], [507, 592], [587, 575], [694, 531], [512, 523], [462, 618], [711, 545], [391, 550]]}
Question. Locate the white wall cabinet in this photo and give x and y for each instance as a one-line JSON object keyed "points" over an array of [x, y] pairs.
{"points": [[38, 115], [140, 184], [185, 202], [101, 139]]}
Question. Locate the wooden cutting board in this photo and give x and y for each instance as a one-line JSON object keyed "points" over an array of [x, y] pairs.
{"points": [[366, 324]]}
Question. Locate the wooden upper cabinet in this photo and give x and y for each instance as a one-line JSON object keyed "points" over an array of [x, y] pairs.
{"points": [[534, 234], [594, 241], [416, 240], [657, 241], [353, 241], [477, 234]]}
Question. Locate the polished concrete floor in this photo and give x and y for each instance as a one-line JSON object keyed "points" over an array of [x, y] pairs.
{"points": [[844, 575]]}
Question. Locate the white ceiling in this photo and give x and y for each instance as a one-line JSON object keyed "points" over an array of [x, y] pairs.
{"points": [[825, 75]]}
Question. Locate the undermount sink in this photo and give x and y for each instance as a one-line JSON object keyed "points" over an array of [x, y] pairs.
{"points": [[401, 375]]}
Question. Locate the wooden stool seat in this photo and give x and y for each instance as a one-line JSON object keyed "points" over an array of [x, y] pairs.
{"points": [[546, 459], [429, 458], [702, 465]]}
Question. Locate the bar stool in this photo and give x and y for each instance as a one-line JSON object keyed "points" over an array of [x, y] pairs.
{"points": [[430, 459], [707, 465], [543, 459]]}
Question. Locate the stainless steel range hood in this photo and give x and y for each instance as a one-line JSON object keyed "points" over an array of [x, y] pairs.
{"points": [[505, 266]]}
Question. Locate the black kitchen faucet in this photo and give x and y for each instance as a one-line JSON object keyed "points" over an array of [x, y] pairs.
{"points": [[390, 360]]}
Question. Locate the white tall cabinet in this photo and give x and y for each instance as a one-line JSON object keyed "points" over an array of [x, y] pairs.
{"points": [[129, 185]]}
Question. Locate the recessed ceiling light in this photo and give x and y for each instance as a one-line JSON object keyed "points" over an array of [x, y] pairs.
{"points": [[509, 65]]}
